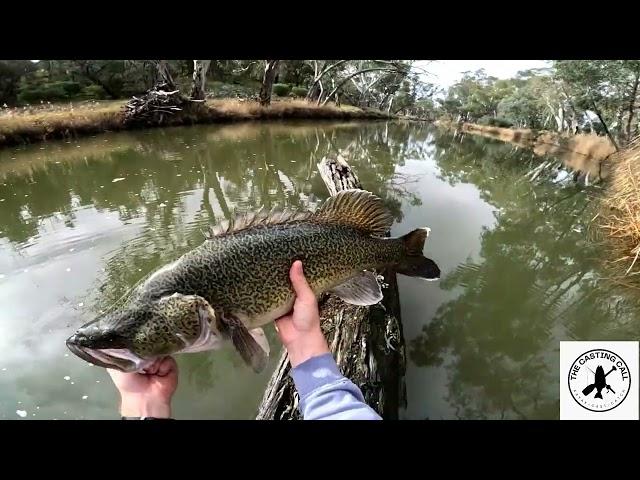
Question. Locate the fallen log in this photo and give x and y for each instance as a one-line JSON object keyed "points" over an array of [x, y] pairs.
{"points": [[367, 342], [153, 108]]}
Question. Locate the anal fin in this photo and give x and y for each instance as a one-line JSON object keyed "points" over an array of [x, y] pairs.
{"points": [[362, 289], [260, 337]]}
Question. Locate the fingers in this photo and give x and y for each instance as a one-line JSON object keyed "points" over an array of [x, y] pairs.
{"points": [[153, 368], [299, 283], [167, 366]]}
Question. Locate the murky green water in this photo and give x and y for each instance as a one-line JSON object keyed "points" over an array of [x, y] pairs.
{"points": [[81, 222]]}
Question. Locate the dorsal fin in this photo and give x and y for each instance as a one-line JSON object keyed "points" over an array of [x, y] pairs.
{"points": [[256, 219], [354, 208], [358, 209]]}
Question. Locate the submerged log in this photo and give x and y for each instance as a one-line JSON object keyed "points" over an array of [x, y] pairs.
{"points": [[367, 342]]}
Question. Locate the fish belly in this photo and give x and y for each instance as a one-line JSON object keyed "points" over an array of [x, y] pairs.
{"points": [[257, 321]]}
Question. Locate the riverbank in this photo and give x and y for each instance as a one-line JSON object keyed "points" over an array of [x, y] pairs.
{"points": [[22, 126], [618, 222], [619, 218], [588, 154]]}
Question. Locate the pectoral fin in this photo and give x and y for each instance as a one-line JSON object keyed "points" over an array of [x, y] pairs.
{"points": [[362, 289], [260, 337], [244, 341]]}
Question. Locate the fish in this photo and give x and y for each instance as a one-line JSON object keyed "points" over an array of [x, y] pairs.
{"points": [[237, 281]]}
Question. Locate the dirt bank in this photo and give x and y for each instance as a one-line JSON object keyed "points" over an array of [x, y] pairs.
{"points": [[20, 126]]}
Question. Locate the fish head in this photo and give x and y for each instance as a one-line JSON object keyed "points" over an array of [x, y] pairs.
{"points": [[130, 340]]}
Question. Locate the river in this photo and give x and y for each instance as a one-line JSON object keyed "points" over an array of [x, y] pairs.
{"points": [[82, 221]]}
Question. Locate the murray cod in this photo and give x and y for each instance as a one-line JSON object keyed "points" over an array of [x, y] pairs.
{"points": [[238, 280]]}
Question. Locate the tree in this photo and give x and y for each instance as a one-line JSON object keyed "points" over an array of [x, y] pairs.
{"points": [[270, 68], [108, 74], [198, 85], [321, 69], [398, 68], [11, 71], [608, 88], [163, 74]]}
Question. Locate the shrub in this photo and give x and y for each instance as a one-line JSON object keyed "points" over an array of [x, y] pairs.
{"points": [[71, 88], [495, 122], [46, 92], [299, 91], [94, 92], [281, 89]]}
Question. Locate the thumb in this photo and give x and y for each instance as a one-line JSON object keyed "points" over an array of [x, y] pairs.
{"points": [[167, 366], [299, 283]]}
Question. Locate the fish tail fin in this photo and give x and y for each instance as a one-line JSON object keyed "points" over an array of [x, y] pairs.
{"points": [[598, 395], [414, 263], [414, 241]]}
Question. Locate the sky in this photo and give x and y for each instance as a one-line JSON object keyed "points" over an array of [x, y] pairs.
{"points": [[447, 72]]}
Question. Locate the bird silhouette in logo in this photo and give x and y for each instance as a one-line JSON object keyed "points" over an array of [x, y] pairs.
{"points": [[599, 383]]}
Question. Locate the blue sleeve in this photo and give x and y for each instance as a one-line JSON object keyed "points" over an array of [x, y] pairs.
{"points": [[325, 394]]}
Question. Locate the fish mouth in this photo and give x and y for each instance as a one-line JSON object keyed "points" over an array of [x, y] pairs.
{"points": [[115, 358]]}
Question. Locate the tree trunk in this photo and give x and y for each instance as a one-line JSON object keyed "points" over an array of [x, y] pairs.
{"points": [[604, 124], [85, 68], [164, 75], [384, 99], [199, 81], [270, 68], [349, 77], [632, 105], [320, 94], [367, 342], [318, 76]]}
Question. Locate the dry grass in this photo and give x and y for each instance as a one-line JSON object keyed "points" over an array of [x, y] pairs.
{"points": [[251, 110], [36, 124], [245, 130], [64, 121], [587, 153], [620, 215], [523, 137]]}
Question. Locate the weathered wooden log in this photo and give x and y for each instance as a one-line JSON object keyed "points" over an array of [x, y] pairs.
{"points": [[367, 342], [152, 108]]}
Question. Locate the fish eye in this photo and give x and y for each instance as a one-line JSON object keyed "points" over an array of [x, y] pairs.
{"points": [[92, 337]]}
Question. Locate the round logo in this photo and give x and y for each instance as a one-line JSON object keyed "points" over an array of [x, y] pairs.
{"points": [[599, 380]]}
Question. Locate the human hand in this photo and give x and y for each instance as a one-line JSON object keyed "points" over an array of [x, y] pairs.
{"points": [[300, 330], [147, 394]]}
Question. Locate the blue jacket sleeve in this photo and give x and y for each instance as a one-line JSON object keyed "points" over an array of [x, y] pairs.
{"points": [[325, 394]]}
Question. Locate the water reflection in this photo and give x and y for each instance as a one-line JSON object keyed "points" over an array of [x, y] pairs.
{"points": [[536, 283], [82, 223], [94, 218]]}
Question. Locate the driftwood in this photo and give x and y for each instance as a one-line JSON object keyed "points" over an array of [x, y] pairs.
{"points": [[367, 342], [159, 102]]}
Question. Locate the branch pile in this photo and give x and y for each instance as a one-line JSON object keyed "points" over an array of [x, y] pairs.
{"points": [[155, 106]]}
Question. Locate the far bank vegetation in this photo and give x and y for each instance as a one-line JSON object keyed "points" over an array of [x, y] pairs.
{"points": [[51, 99]]}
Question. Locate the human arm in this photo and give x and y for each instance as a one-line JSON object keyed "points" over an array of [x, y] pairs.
{"points": [[325, 394]]}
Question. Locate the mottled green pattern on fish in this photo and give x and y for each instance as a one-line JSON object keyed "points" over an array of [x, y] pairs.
{"points": [[238, 280], [247, 274]]}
